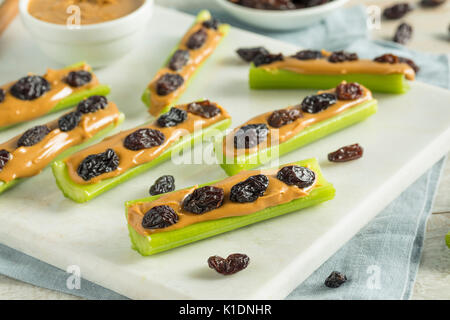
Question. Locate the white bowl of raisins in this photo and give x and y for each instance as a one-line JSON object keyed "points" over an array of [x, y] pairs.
{"points": [[280, 14], [99, 44]]}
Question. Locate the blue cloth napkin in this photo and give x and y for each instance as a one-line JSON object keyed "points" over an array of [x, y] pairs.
{"points": [[381, 261]]}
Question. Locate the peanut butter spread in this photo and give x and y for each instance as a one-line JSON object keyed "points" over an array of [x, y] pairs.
{"points": [[129, 158], [323, 66], [29, 161], [13, 110], [91, 11], [277, 193], [288, 131], [196, 58]]}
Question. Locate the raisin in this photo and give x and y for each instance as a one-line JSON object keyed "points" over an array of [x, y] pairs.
{"points": [[347, 153], [397, 11], [232, 264], [262, 59], [97, 164], [387, 58], [78, 78], [249, 54], [143, 139], [301, 177], [349, 91], [212, 23], [410, 62], [283, 117], [33, 136], [250, 135], [203, 200], [318, 102], [403, 33], [30, 88], [197, 39], [4, 158], [308, 55], [172, 118], [310, 3], [268, 4], [162, 185], [168, 83], [179, 59], [341, 56], [205, 109], [92, 104], [335, 279], [159, 217], [2, 95], [69, 121], [250, 189], [431, 3]]}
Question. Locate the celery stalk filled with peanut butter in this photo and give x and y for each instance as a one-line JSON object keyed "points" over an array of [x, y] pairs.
{"points": [[169, 83], [272, 134], [96, 169], [166, 221], [26, 155], [33, 96]]}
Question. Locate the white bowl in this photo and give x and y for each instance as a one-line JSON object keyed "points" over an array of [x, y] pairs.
{"points": [[280, 19], [98, 44]]}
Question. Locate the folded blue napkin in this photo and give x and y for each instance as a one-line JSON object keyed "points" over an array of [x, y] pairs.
{"points": [[381, 261]]}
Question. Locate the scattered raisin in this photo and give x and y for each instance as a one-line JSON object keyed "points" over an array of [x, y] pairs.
{"points": [[78, 78], [2, 95], [249, 54], [283, 117], [30, 88], [318, 102], [301, 177], [97, 164], [179, 59], [203, 200], [33, 136], [172, 118], [205, 109], [403, 33], [397, 11], [431, 3], [410, 62], [349, 91], [197, 39], [159, 217], [168, 83], [250, 189], [4, 158], [162, 185], [341, 56], [143, 139], [387, 58], [250, 135], [69, 121], [308, 55], [262, 59], [335, 279], [232, 264], [92, 104], [212, 23], [347, 153]]}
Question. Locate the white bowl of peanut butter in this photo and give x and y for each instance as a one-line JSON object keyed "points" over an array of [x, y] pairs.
{"points": [[280, 20], [96, 31]]}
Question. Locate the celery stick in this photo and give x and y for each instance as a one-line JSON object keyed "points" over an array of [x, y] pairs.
{"points": [[260, 78], [85, 192], [7, 185], [314, 132], [162, 241]]}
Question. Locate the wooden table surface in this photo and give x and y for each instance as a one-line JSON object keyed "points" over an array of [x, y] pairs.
{"points": [[433, 278]]}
